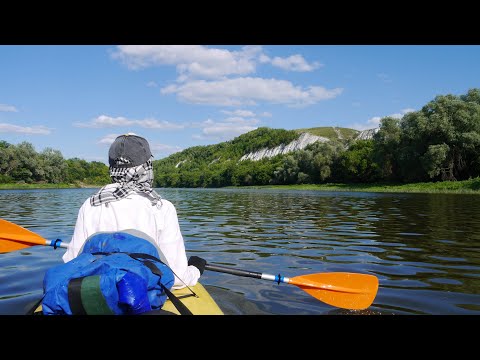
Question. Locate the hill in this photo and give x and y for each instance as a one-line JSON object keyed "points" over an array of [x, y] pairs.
{"points": [[260, 143], [225, 163]]}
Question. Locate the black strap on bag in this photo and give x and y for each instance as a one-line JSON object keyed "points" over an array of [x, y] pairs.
{"points": [[144, 258]]}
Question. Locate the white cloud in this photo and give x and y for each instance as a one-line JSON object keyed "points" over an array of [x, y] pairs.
{"points": [[226, 129], [104, 121], [152, 84], [158, 124], [202, 62], [192, 61], [239, 112], [248, 90], [31, 130], [164, 149], [108, 139], [264, 59], [240, 120], [294, 63], [8, 108]]}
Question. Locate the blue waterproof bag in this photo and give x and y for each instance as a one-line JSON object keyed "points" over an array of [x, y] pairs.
{"points": [[116, 273]]}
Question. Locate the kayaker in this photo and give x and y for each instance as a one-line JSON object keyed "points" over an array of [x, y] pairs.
{"points": [[130, 203]]}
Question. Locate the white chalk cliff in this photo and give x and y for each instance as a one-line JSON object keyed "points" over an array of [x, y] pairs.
{"points": [[298, 144], [366, 134], [301, 143]]}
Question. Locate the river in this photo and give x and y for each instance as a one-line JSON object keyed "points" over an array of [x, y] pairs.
{"points": [[423, 248]]}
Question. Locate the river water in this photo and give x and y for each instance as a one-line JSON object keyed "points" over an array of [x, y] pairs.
{"points": [[424, 248]]}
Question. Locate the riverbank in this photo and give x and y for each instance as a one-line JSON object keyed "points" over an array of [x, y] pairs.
{"points": [[25, 186], [471, 186]]}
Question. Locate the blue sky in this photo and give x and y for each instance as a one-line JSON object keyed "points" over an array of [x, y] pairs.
{"points": [[78, 98]]}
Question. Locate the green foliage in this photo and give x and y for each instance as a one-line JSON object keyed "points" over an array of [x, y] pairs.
{"points": [[386, 144], [4, 144], [92, 173], [357, 165], [23, 164], [53, 166], [5, 179], [442, 140], [434, 158]]}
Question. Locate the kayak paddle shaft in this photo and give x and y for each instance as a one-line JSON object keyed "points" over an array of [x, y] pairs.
{"points": [[277, 278]]}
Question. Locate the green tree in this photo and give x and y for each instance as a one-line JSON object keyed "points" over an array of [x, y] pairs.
{"points": [[386, 145], [287, 172], [26, 165], [451, 124], [356, 164], [324, 159], [53, 166]]}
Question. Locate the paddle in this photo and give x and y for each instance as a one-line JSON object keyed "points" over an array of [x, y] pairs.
{"points": [[341, 289], [14, 237]]}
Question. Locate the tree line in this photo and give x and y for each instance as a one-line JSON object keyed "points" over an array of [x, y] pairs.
{"points": [[439, 142], [23, 164]]}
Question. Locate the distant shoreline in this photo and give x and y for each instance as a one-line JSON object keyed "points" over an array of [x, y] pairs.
{"points": [[46, 186], [471, 186]]}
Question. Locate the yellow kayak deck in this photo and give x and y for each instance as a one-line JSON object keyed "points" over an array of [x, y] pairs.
{"points": [[201, 304]]}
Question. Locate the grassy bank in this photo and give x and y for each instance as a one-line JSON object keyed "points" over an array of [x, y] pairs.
{"points": [[471, 186], [25, 186]]}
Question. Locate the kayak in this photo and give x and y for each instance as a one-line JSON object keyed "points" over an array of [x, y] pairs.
{"points": [[202, 304]]}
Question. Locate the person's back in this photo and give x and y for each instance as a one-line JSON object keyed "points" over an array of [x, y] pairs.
{"points": [[131, 203]]}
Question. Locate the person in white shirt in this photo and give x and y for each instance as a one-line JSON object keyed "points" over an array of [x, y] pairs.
{"points": [[130, 203]]}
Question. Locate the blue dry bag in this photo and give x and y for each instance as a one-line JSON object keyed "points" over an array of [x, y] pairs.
{"points": [[116, 273]]}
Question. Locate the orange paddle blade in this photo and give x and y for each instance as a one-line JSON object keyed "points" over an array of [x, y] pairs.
{"points": [[14, 237], [340, 289]]}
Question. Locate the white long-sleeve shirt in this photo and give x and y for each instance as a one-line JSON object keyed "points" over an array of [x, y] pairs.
{"points": [[136, 212]]}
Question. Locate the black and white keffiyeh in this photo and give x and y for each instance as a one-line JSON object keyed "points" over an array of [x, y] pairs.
{"points": [[136, 179]]}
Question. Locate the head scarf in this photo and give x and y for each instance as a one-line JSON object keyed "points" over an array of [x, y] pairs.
{"points": [[138, 179]]}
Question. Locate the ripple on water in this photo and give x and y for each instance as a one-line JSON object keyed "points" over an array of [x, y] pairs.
{"points": [[446, 281]]}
